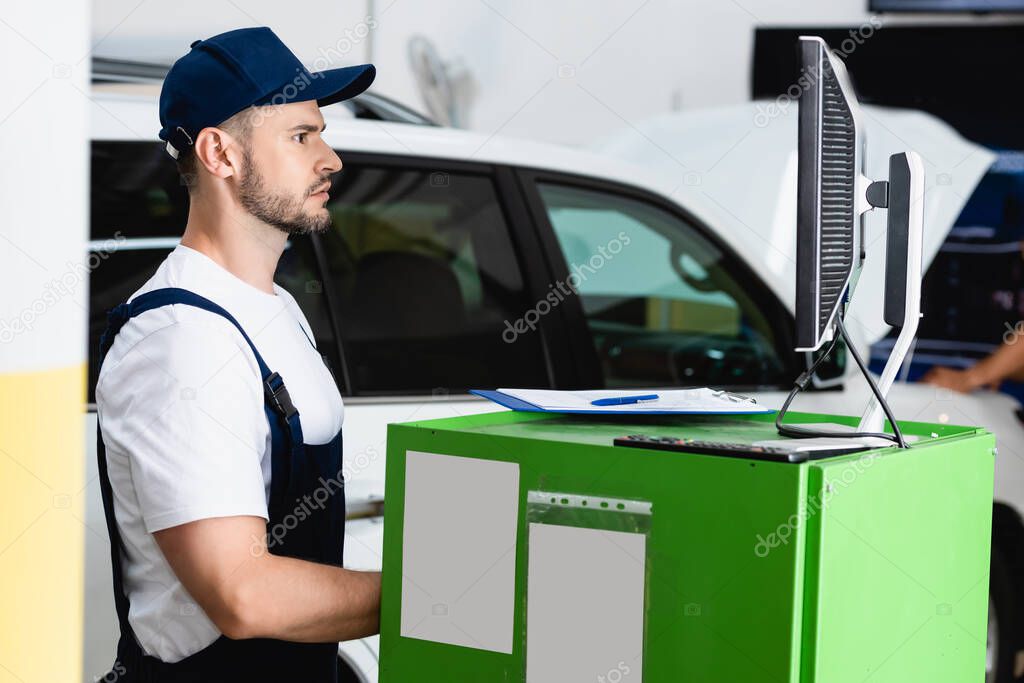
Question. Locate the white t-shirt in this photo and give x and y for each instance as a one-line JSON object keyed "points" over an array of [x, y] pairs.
{"points": [[180, 402]]}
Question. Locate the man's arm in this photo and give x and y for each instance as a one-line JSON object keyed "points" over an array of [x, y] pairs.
{"points": [[1006, 362], [224, 564]]}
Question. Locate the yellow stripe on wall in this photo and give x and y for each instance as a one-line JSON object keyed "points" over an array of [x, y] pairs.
{"points": [[42, 531]]}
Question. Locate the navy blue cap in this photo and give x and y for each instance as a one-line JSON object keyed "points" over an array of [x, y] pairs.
{"points": [[230, 72]]}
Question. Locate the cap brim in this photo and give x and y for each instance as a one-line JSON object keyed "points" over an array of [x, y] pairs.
{"points": [[335, 85]]}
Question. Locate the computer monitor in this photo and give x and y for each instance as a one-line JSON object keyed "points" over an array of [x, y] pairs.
{"points": [[832, 196], [830, 168]]}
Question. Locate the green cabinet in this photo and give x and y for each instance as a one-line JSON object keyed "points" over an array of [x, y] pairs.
{"points": [[526, 547]]}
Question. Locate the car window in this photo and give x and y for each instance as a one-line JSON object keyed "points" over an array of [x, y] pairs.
{"points": [[427, 282], [661, 303], [135, 191], [138, 213]]}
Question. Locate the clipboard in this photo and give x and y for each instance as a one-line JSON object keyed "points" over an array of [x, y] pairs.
{"points": [[670, 402]]}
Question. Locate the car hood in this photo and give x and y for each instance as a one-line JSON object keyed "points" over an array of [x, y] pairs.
{"points": [[735, 168]]}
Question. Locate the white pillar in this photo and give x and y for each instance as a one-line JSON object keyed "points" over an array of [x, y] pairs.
{"points": [[44, 152]]}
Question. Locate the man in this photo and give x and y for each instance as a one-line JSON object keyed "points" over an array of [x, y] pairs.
{"points": [[219, 420]]}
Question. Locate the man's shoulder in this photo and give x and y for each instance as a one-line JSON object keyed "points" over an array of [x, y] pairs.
{"points": [[167, 274], [185, 324], [187, 347]]}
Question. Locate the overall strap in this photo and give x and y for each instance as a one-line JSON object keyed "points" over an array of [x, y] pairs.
{"points": [[276, 398], [166, 296], [285, 429]]}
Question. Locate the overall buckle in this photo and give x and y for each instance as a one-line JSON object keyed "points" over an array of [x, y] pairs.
{"points": [[277, 393]]}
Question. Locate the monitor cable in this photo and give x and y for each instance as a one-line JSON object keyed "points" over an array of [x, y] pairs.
{"points": [[805, 379]]}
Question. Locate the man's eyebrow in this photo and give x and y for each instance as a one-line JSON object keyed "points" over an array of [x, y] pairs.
{"points": [[308, 128]]}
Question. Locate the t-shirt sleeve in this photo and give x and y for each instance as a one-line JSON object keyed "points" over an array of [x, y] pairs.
{"points": [[184, 406]]}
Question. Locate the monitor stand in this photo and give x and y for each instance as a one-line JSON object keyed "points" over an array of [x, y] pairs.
{"points": [[904, 199]]}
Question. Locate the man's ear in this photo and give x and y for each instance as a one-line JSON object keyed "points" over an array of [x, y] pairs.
{"points": [[218, 152]]}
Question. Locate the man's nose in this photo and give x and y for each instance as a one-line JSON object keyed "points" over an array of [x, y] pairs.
{"points": [[332, 162]]}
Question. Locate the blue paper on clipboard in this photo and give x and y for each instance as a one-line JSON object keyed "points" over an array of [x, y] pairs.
{"points": [[699, 401]]}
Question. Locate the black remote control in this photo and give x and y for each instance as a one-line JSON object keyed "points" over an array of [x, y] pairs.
{"points": [[780, 453]]}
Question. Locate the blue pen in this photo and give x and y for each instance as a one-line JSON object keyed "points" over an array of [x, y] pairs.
{"points": [[623, 400]]}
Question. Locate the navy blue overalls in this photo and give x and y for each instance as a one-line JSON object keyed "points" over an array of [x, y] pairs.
{"points": [[297, 470]]}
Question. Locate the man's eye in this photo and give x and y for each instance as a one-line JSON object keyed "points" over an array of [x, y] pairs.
{"points": [[300, 138]]}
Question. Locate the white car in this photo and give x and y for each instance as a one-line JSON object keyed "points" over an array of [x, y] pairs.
{"points": [[447, 245]]}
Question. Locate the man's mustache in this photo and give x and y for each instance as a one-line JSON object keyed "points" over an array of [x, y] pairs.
{"points": [[316, 187]]}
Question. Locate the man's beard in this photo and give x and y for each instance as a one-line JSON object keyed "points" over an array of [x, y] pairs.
{"points": [[281, 211]]}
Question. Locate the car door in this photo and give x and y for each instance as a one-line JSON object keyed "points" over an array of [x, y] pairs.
{"points": [[429, 264], [662, 302]]}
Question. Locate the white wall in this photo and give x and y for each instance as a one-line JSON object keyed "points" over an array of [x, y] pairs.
{"points": [[622, 60], [625, 60]]}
